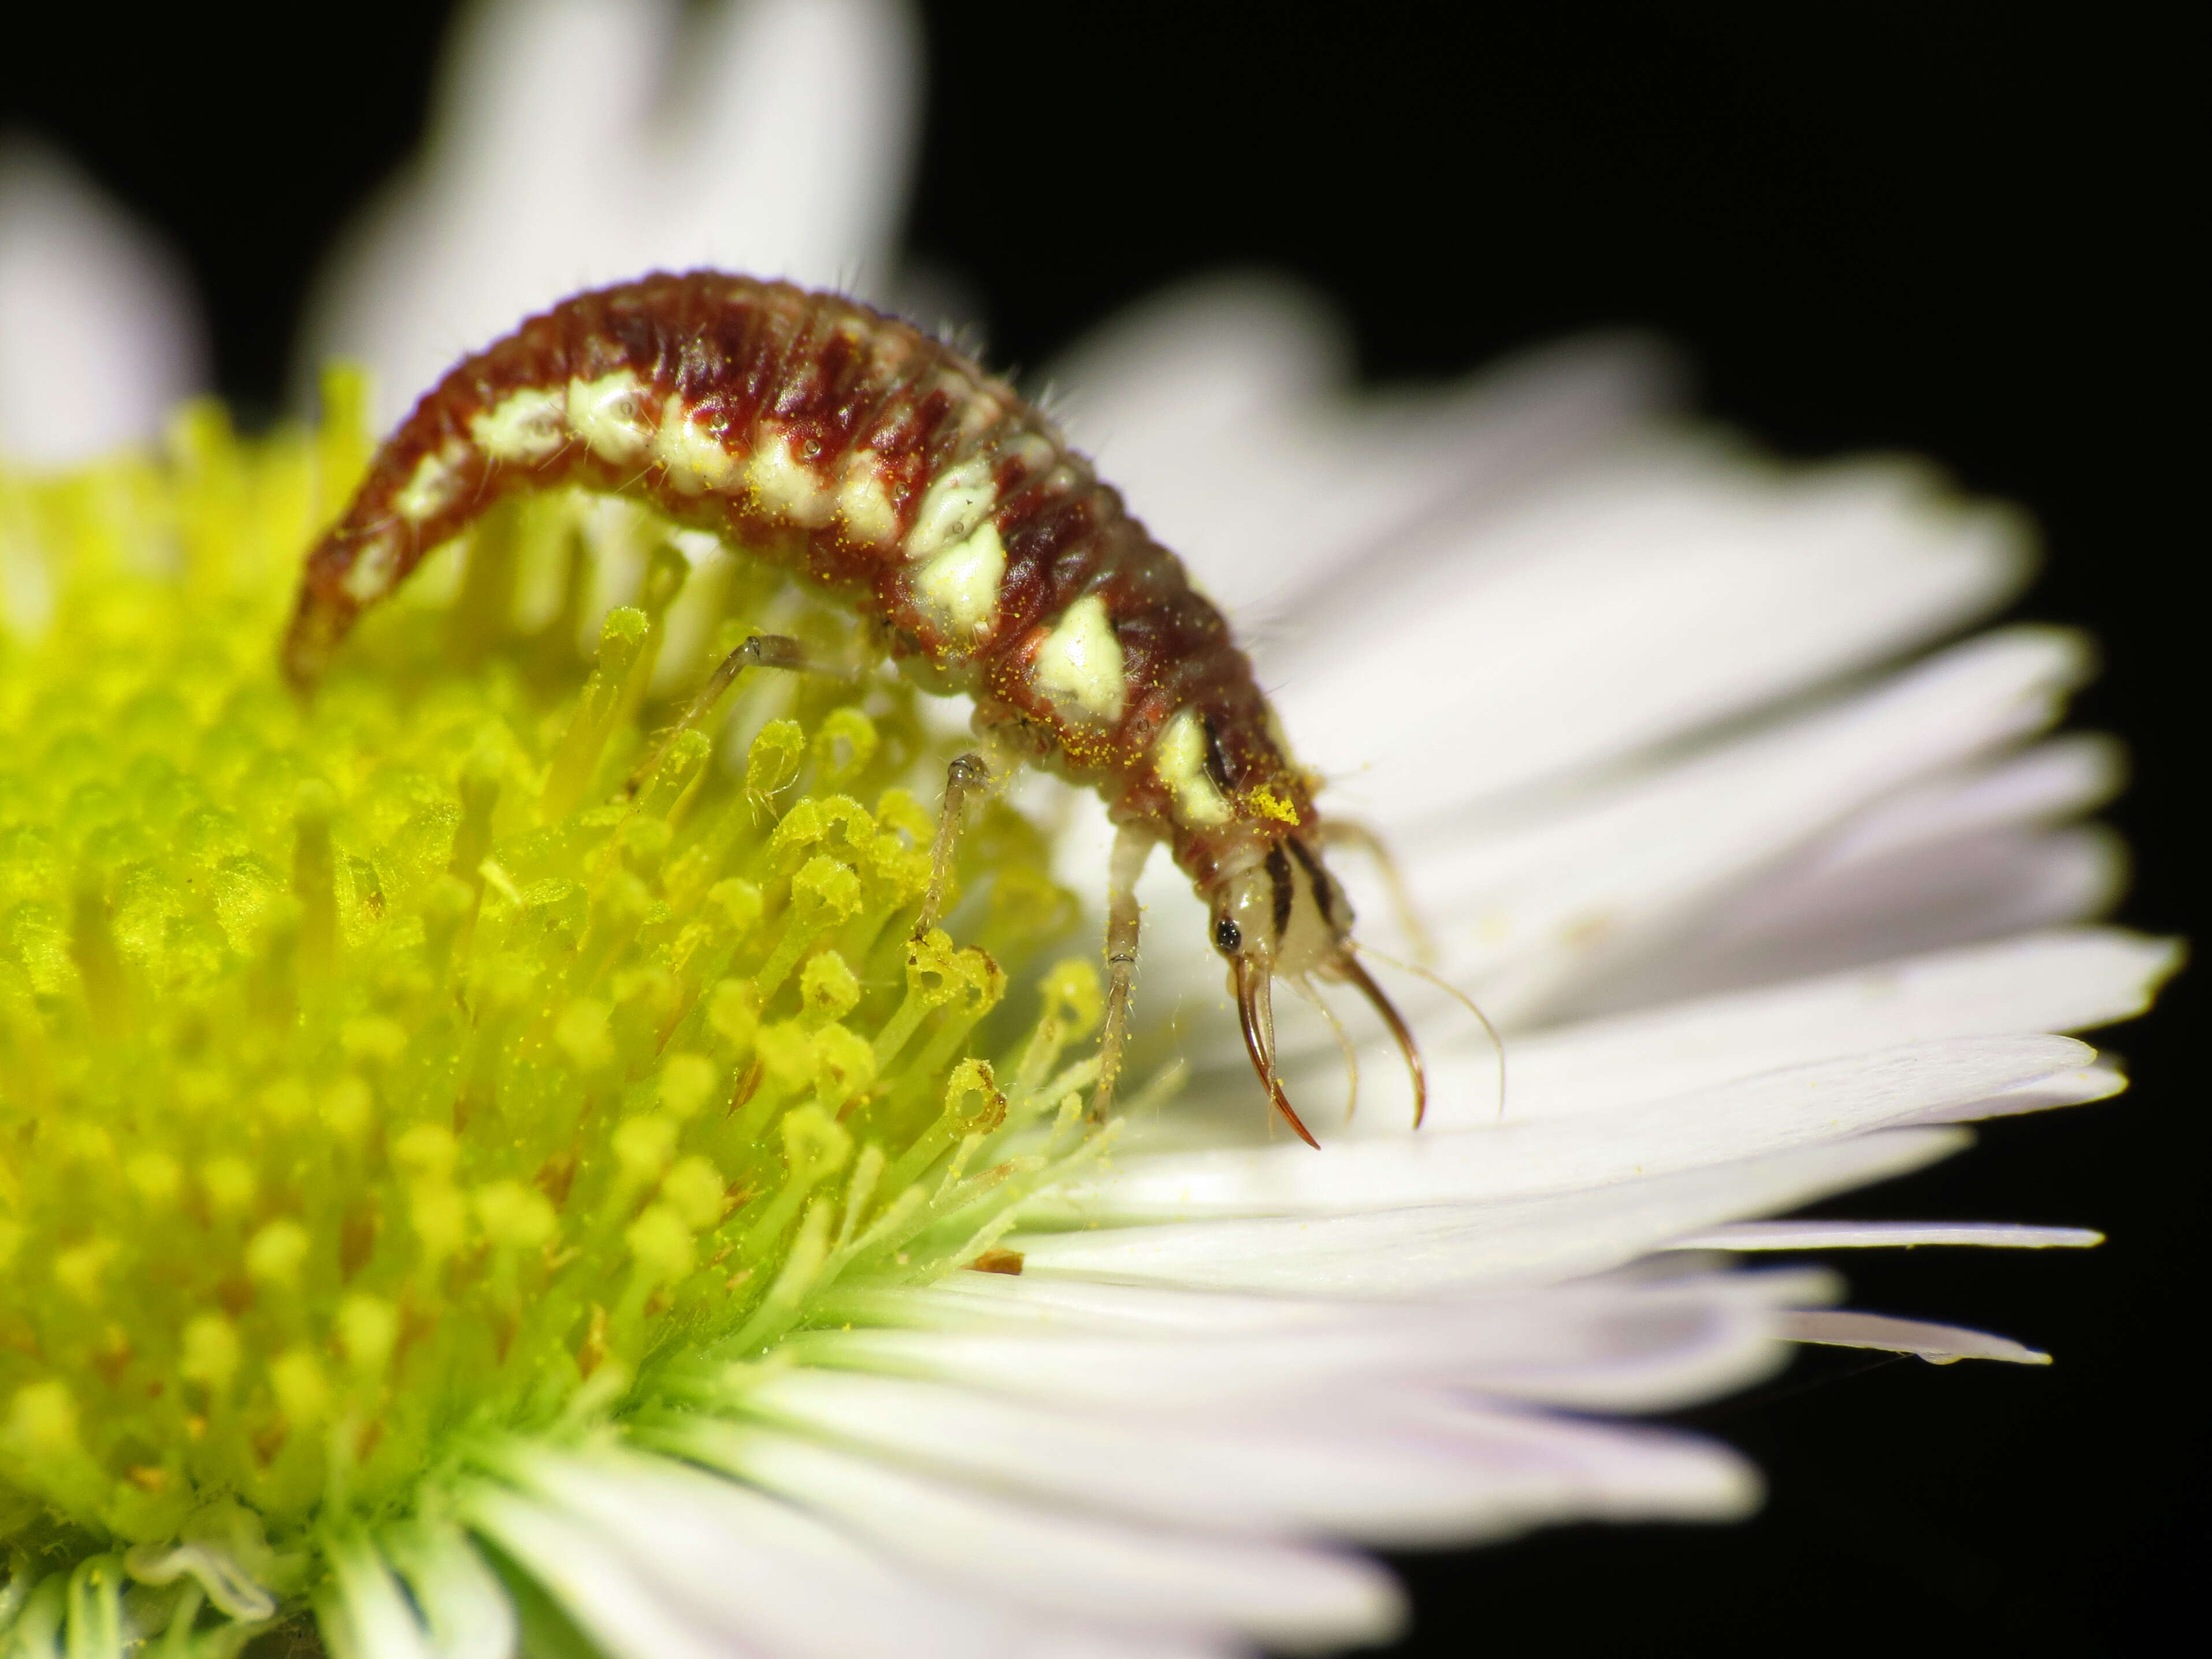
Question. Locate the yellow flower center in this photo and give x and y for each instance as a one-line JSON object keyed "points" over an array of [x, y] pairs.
{"points": [[449, 1054]]}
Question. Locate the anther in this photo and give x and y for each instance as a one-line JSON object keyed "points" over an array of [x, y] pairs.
{"points": [[98, 964], [315, 878]]}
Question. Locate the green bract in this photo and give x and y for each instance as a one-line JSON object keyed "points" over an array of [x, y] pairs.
{"points": [[380, 1076]]}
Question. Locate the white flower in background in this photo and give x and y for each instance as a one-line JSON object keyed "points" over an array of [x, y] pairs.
{"points": [[578, 142], [99, 335], [1764, 915]]}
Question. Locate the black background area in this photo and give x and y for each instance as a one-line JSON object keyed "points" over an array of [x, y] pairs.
{"points": [[1878, 225]]}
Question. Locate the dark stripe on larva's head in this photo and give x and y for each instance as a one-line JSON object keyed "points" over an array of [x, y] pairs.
{"points": [[1318, 877], [1285, 893], [1217, 763]]}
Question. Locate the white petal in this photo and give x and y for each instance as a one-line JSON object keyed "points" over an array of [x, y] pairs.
{"points": [[378, 1621], [2055, 982], [1446, 1247], [1926, 897], [550, 168], [1413, 1470], [1964, 856], [1063, 1305], [754, 1566], [2055, 781], [781, 1579], [803, 120], [1222, 411], [1938, 1343], [2100, 1081], [1647, 596], [1535, 1468], [1600, 1346], [99, 332], [1526, 915], [462, 1602], [627, 1616], [1091, 1642], [1063, 1563], [1863, 1234], [1526, 1156]]}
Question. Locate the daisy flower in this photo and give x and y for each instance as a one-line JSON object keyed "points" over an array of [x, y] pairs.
{"points": [[456, 1209]]}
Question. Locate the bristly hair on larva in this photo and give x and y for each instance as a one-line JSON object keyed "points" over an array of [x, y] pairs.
{"points": [[884, 466]]}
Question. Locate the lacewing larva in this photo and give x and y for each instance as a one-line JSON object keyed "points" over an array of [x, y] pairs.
{"points": [[895, 473]]}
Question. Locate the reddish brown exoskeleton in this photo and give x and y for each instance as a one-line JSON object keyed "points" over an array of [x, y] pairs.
{"points": [[882, 465]]}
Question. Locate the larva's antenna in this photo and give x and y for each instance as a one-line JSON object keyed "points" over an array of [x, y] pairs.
{"points": [[1255, 1012], [1305, 988], [1496, 1043], [1350, 832], [1364, 983]]}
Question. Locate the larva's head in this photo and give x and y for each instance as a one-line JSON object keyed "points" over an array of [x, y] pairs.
{"points": [[1284, 915]]}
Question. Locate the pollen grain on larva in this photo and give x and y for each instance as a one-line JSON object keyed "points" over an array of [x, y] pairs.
{"points": [[887, 470]]}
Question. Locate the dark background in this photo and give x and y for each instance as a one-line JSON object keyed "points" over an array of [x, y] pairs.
{"points": [[1874, 226]]}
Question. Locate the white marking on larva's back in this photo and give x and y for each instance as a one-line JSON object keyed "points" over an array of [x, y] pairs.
{"points": [[695, 457], [609, 414], [1078, 666], [369, 577], [979, 413], [1179, 757], [889, 353], [783, 483], [958, 590], [437, 480], [955, 503], [1031, 453], [524, 428], [863, 502]]}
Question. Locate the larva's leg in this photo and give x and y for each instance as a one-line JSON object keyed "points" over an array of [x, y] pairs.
{"points": [[758, 651], [1132, 847], [1343, 832], [968, 776]]}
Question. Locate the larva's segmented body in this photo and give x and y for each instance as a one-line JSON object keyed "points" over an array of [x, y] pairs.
{"points": [[882, 464]]}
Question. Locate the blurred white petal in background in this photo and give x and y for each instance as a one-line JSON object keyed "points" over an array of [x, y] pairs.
{"points": [[574, 143], [99, 330]]}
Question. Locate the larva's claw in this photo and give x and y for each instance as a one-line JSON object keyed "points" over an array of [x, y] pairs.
{"points": [[1283, 1105], [1255, 1014]]}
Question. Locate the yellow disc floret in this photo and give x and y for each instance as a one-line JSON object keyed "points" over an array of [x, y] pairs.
{"points": [[448, 1055]]}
